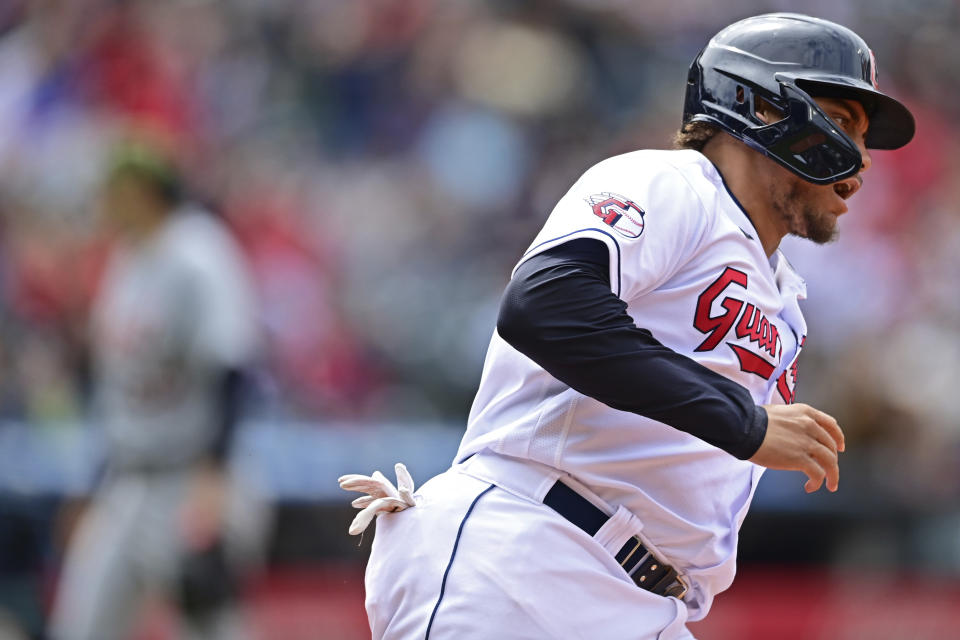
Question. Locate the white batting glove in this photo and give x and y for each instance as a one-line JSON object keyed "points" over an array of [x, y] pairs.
{"points": [[382, 496]]}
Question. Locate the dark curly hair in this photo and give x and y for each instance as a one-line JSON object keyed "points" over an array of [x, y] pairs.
{"points": [[694, 135]]}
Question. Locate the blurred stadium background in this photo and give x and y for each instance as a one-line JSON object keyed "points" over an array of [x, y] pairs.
{"points": [[384, 163]]}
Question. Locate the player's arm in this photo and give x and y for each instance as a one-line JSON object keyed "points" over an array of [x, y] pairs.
{"points": [[204, 580], [559, 311], [201, 516], [229, 397]]}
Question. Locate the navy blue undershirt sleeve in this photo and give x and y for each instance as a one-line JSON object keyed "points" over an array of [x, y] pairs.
{"points": [[559, 311], [229, 399]]}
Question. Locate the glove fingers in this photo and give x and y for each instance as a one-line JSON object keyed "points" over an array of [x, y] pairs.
{"points": [[351, 477], [355, 482], [374, 490], [363, 502], [382, 496], [365, 517], [362, 521], [385, 485], [366, 484], [404, 484]]}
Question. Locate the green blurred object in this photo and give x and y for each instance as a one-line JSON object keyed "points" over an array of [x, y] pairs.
{"points": [[147, 162]]}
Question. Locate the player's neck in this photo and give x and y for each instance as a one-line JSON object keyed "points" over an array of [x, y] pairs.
{"points": [[747, 183]]}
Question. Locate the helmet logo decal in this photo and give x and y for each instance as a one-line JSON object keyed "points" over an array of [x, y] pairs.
{"points": [[873, 69], [621, 214]]}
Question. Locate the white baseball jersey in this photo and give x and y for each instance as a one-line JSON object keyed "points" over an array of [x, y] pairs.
{"points": [[687, 261], [171, 314]]}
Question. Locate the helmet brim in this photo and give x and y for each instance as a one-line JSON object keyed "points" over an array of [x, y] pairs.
{"points": [[891, 123]]}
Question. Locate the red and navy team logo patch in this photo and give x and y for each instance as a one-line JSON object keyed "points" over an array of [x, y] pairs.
{"points": [[623, 215], [873, 70]]}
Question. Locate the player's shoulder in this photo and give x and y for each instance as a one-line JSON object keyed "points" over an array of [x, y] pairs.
{"points": [[681, 170], [679, 184], [193, 221], [652, 159], [193, 228], [199, 239]]}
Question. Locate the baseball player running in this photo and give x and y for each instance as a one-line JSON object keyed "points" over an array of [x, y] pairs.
{"points": [[642, 373], [173, 328]]}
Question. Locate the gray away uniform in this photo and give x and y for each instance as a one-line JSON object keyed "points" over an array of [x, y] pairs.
{"points": [[173, 314]]}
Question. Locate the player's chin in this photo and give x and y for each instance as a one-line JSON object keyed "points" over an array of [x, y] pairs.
{"points": [[820, 228]]}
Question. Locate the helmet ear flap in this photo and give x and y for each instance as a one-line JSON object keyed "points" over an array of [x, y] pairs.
{"points": [[693, 97], [724, 98]]}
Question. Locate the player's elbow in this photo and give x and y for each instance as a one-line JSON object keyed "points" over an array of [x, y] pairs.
{"points": [[515, 322], [510, 318]]}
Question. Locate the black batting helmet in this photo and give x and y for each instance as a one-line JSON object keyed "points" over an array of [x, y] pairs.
{"points": [[785, 58]]}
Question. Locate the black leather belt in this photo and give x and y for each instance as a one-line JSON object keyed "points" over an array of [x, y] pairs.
{"points": [[647, 571]]}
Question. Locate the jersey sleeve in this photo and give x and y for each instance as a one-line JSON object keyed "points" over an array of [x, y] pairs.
{"points": [[558, 310], [643, 210]]}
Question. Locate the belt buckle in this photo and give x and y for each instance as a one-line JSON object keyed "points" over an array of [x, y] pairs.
{"points": [[678, 589]]}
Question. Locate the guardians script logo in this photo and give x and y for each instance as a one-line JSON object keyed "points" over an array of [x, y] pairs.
{"points": [[623, 215], [760, 347]]}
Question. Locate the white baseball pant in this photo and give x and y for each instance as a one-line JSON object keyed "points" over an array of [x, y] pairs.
{"points": [[475, 561]]}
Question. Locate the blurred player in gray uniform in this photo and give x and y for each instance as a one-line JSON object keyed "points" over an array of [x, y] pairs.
{"points": [[173, 329]]}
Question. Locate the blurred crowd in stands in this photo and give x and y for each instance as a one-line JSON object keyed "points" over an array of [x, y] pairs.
{"points": [[385, 163]]}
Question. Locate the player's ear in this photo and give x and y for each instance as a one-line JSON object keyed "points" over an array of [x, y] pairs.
{"points": [[766, 111]]}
